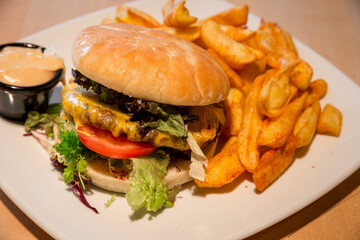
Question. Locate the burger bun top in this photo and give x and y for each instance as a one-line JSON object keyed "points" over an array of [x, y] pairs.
{"points": [[149, 64]]}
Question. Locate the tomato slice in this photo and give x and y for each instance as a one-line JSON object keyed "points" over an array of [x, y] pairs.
{"points": [[104, 143]]}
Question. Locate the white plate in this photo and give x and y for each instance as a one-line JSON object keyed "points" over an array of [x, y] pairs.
{"points": [[236, 211]]}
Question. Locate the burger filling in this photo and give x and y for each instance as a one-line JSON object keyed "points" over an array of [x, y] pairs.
{"points": [[137, 139], [139, 120]]}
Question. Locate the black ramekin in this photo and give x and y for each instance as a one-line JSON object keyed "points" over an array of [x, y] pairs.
{"points": [[16, 102]]}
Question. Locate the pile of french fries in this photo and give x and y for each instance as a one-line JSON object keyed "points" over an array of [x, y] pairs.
{"points": [[273, 106]]}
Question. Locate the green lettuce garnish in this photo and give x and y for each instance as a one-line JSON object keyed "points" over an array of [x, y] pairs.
{"points": [[147, 182], [43, 121], [110, 201], [171, 123], [74, 153], [54, 108]]}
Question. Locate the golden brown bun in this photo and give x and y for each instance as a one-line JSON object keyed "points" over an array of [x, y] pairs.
{"points": [[100, 176], [149, 64]]}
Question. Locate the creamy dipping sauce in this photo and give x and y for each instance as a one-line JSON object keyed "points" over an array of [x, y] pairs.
{"points": [[22, 66]]}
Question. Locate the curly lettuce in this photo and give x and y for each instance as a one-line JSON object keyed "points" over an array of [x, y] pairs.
{"points": [[147, 183], [44, 121]]}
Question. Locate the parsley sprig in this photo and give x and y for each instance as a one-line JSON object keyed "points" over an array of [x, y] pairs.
{"points": [[75, 154]]}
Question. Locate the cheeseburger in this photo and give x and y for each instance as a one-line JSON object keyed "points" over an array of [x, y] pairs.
{"points": [[144, 107]]}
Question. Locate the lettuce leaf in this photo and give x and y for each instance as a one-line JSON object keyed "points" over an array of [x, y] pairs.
{"points": [[173, 124], [74, 153], [43, 121], [110, 201], [147, 182], [198, 159]]}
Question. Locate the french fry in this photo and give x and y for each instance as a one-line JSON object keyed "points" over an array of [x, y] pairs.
{"points": [[200, 43], [236, 16], [248, 152], [274, 112], [330, 121], [272, 108], [276, 93], [282, 37], [264, 40], [134, 16], [274, 41], [273, 163], [223, 168], [301, 75], [235, 80], [275, 132], [305, 127], [176, 14], [233, 108], [289, 42], [317, 90], [250, 71], [237, 33], [188, 33], [234, 53], [273, 38], [281, 58], [259, 54], [108, 20]]}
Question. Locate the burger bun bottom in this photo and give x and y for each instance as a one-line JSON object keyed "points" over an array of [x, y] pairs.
{"points": [[98, 171]]}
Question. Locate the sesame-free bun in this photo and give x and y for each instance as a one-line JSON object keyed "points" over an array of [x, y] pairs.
{"points": [[149, 64], [177, 174]]}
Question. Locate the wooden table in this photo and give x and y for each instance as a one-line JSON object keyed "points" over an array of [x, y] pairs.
{"points": [[331, 27]]}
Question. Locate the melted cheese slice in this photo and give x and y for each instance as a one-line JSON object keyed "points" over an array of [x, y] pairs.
{"points": [[83, 107]]}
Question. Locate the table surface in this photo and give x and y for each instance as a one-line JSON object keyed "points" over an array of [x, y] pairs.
{"points": [[330, 27]]}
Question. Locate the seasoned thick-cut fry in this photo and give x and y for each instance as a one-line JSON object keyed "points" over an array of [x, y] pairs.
{"points": [[264, 40], [288, 42], [272, 108], [233, 108], [236, 16], [273, 38], [237, 33], [134, 16], [188, 33], [176, 14], [275, 132], [108, 20], [200, 43], [235, 80], [276, 112], [273, 163], [282, 37], [330, 121], [281, 58], [301, 75], [223, 168], [276, 43], [234, 53], [317, 90], [250, 71], [276, 93], [250, 126], [259, 54], [305, 126]]}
